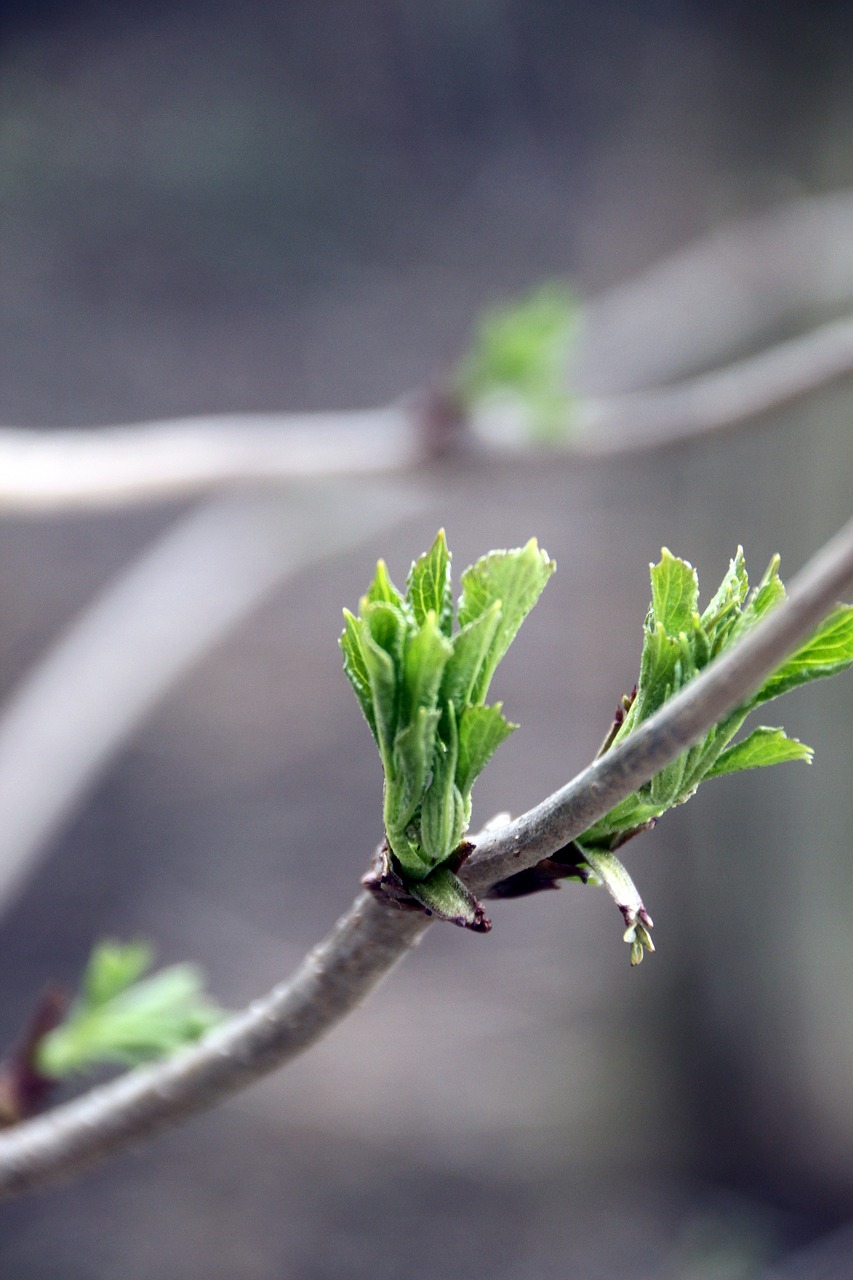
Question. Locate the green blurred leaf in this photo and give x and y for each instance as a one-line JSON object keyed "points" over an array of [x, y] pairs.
{"points": [[126, 1020], [521, 353], [112, 967]]}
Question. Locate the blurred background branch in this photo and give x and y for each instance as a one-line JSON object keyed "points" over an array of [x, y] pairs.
{"points": [[84, 698], [75, 469]]}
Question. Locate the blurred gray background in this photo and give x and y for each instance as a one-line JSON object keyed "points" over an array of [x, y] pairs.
{"points": [[305, 206]]}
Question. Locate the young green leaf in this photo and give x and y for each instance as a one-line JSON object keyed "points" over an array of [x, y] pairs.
{"points": [[414, 751], [122, 1018], [520, 358], [724, 606], [443, 811], [112, 968], [422, 687], [675, 592], [444, 895], [515, 579], [828, 652], [481, 731], [382, 589], [470, 647], [764, 746], [428, 586], [355, 668], [382, 683], [678, 643], [427, 653]]}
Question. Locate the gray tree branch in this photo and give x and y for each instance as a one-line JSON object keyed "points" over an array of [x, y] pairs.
{"points": [[369, 939], [80, 470]]}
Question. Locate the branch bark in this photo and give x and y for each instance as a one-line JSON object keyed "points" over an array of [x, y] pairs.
{"points": [[370, 938], [81, 470]]}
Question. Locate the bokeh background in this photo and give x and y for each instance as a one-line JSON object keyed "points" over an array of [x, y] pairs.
{"points": [[290, 206]]}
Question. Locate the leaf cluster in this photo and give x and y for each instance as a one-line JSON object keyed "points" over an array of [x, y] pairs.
{"points": [[519, 357], [678, 643], [421, 677], [122, 1017]]}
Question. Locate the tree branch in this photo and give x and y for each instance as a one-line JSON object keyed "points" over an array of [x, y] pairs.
{"points": [[369, 939], [83, 698], [718, 401], [74, 469], [80, 470], [722, 686]]}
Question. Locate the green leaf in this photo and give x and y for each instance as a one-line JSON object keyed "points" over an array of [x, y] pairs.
{"points": [[355, 667], [767, 594], [481, 732], [426, 656], [112, 967], [666, 786], [470, 647], [414, 749], [675, 593], [127, 1022], [443, 809], [445, 896], [382, 682], [421, 687], [724, 608], [515, 580], [428, 587], [764, 746], [520, 354], [382, 589], [827, 653]]}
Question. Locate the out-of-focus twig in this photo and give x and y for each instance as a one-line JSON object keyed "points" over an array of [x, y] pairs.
{"points": [[75, 469], [371, 937], [716, 401], [728, 291], [49, 471], [85, 697], [695, 309]]}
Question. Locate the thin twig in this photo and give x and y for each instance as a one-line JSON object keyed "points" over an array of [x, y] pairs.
{"points": [[75, 469], [370, 938], [726, 291], [84, 698], [80, 470], [717, 401]]}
